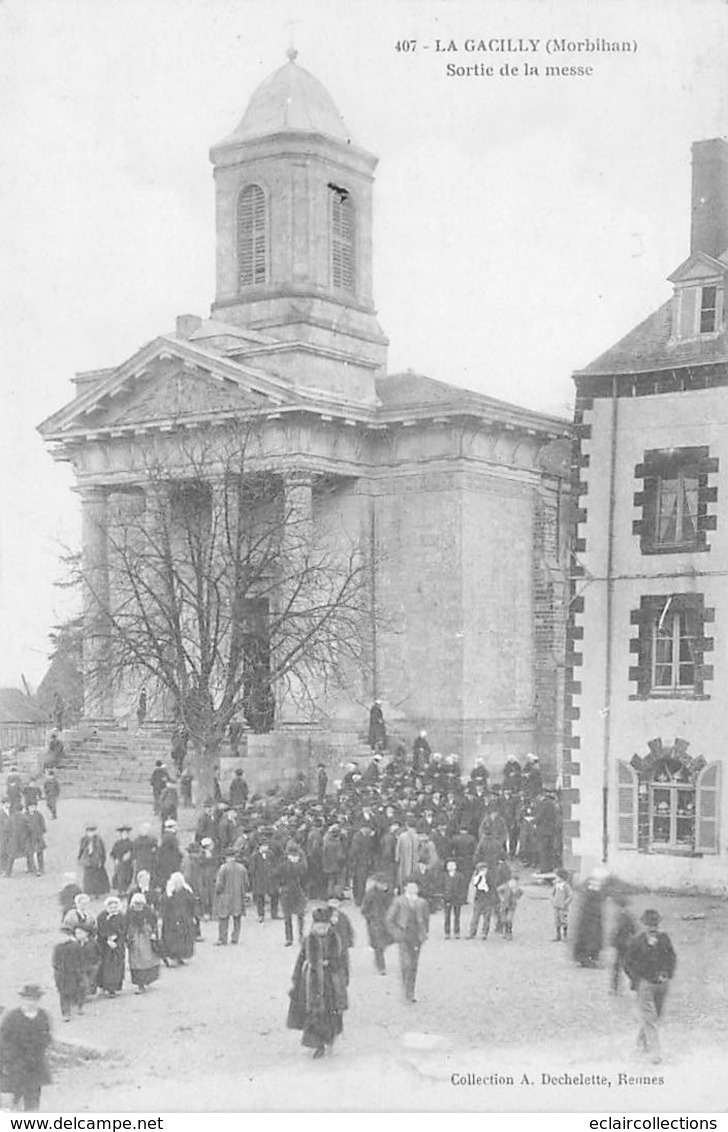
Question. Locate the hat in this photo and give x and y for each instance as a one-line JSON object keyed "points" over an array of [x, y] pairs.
{"points": [[138, 899], [32, 991], [650, 918], [91, 827], [121, 828], [170, 824]]}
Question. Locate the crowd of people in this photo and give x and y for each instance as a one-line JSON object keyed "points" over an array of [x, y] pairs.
{"points": [[405, 836]]}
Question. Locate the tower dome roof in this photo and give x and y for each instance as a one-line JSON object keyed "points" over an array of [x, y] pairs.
{"points": [[291, 99]]}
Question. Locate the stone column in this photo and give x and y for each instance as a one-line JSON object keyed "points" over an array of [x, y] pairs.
{"points": [[298, 512], [97, 684]]}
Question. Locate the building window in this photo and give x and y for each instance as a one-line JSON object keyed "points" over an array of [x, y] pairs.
{"points": [[668, 802], [343, 262], [708, 310], [675, 500], [252, 237], [673, 649], [671, 646]]}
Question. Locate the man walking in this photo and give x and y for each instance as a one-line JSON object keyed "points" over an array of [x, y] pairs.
{"points": [[650, 964], [408, 921]]}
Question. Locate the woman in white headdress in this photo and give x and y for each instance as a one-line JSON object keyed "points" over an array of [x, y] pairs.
{"points": [[178, 919], [141, 940]]}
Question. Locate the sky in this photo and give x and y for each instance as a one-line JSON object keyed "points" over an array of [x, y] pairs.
{"points": [[523, 222]]}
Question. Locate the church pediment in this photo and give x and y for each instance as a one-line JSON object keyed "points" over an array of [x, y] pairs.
{"points": [[165, 383], [698, 266]]}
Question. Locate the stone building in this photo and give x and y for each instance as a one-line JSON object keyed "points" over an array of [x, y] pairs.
{"points": [[460, 498], [648, 636]]}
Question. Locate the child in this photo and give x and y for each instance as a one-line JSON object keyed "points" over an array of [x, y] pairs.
{"points": [[455, 894], [485, 898], [68, 970], [561, 896], [510, 893]]}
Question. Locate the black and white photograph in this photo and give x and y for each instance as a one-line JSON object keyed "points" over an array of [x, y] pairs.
{"points": [[363, 556]]}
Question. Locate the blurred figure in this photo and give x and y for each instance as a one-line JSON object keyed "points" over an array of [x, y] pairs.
{"points": [[589, 934], [624, 932]]}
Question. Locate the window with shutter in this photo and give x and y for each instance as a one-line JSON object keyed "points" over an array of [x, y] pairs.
{"points": [[627, 784], [343, 263], [708, 809], [252, 237]]}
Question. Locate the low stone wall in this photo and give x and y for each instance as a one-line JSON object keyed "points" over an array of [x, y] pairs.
{"points": [[277, 759]]}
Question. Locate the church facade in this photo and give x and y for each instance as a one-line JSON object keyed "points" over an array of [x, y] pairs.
{"points": [[460, 501]]}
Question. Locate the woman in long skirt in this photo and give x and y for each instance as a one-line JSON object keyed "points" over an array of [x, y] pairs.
{"points": [[92, 858], [179, 908], [111, 929], [589, 934], [141, 938], [315, 1006]]}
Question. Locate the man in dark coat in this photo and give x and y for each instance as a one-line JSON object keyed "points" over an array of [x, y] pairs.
{"points": [[14, 789], [144, 851], [168, 803], [292, 881], [322, 781], [361, 861], [421, 752], [121, 854], [32, 793], [532, 778], [238, 790], [377, 738], [334, 860], [35, 830], [512, 775], [650, 964], [169, 855], [68, 967], [262, 881], [546, 817], [231, 884], [25, 1036], [51, 792], [408, 922], [158, 780], [374, 908]]}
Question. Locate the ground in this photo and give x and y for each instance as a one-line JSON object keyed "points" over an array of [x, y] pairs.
{"points": [[211, 1036]]}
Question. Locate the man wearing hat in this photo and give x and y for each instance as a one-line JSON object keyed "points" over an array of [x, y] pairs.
{"points": [[650, 964], [121, 855], [408, 921], [25, 1036]]}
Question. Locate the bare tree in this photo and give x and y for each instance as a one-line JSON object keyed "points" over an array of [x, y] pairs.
{"points": [[223, 592]]}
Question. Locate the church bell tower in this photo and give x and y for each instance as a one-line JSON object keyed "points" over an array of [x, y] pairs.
{"points": [[294, 233]]}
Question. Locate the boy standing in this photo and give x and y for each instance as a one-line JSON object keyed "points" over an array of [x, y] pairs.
{"points": [[561, 896]]}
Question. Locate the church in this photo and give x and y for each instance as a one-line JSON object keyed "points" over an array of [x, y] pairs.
{"points": [[460, 500]]}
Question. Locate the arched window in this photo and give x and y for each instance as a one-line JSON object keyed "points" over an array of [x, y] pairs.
{"points": [[252, 237], [343, 230]]}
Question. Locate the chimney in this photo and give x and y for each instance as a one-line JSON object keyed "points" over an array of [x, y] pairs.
{"points": [[187, 324], [709, 224]]}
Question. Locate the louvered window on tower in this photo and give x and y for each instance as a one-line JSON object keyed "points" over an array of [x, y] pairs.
{"points": [[343, 267], [252, 237]]}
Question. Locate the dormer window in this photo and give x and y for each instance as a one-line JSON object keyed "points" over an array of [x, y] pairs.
{"points": [[708, 310]]}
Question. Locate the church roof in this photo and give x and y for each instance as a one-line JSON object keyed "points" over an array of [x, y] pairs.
{"points": [[650, 346], [403, 394], [291, 99]]}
